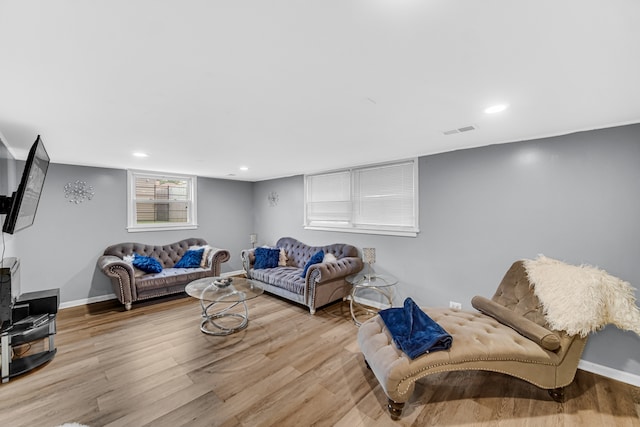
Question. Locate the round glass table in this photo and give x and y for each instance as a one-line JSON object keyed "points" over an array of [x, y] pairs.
{"points": [[229, 291], [369, 284]]}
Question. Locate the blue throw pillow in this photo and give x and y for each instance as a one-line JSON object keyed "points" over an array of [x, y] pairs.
{"points": [[190, 259], [146, 263], [266, 258], [315, 259]]}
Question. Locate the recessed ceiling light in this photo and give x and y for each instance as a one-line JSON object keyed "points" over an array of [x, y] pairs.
{"points": [[496, 108], [140, 154], [244, 168]]}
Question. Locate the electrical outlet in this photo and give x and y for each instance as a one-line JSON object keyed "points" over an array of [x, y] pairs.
{"points": [[455, 305]]}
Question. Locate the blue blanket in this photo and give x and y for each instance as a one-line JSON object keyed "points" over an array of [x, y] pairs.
{"points": [[413, 331]]}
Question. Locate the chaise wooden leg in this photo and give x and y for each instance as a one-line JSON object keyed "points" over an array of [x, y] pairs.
{"points": [[395, 409], [557, 394]]}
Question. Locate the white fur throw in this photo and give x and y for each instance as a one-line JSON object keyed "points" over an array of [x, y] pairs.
{"points": [[582, 299]]}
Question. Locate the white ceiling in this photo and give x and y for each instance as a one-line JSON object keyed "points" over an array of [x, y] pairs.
{"points": [[286, 87]]}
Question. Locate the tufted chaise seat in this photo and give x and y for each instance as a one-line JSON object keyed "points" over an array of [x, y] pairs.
{"points": [[130, 285], [480, 342], [324, 282]]}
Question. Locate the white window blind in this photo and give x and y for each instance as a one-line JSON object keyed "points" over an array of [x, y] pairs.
{"points": [[329, 200], [381, 199]]}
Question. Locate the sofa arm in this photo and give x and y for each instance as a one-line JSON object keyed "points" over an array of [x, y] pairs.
{"points": [[217, 257], [248, 259], [536, 333], [107, 262], [122, 277], [326, 271]]}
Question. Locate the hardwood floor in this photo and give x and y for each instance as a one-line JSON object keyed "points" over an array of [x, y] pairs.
{"points": [[152, 366]]}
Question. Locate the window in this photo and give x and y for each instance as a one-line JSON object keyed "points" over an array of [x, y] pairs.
{"points": [[379, 199], [160, 202]]}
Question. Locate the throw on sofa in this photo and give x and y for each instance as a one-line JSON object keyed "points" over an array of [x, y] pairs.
{"points": [[322, 282], [132, 284]]}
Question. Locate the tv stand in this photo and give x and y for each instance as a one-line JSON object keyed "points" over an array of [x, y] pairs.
{"points": [[12, 367], [40, 324]]}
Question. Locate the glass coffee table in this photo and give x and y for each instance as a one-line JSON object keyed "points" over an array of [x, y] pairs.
{"points": [[366, 286], [228, 292]]}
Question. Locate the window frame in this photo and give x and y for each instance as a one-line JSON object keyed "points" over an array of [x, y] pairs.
{"points": [[192, 191], [352, 225]]}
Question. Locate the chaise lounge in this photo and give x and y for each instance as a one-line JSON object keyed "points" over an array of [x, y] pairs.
{"points": [[510, 336]]}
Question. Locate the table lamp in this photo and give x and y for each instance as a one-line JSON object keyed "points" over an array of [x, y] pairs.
{"points": [[369, 257]]}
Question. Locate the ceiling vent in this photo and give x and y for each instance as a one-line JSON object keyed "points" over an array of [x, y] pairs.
{"points": [[460, 130]]}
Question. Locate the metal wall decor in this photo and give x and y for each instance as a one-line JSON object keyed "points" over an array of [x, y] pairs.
{"points": [[273, 198], [78, 191]]}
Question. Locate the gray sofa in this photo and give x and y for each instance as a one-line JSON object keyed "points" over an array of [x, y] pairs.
{"points": [[131, 285], [324, 282]]}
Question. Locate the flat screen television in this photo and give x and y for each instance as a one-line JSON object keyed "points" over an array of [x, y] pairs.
{"points": [[21, 206]]}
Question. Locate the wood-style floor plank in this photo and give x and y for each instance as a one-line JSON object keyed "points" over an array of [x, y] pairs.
{"points": [[152, 366]]}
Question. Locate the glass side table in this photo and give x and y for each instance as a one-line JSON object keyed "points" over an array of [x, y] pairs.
{"points": [[363, 284]]}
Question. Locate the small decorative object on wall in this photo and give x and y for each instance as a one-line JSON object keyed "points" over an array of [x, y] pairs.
{"points": [[77, 192], [254, 239], [273, 198]]}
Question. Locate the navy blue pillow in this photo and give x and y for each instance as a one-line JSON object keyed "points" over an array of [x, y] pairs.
{"points": [[190, 259], [146, 264], [266, 257], [315, 259]]}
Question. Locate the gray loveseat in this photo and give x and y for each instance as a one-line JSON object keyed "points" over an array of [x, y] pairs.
{"points": [[131, 285], [324, 282]]}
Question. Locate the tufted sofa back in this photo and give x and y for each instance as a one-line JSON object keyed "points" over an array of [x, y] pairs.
{"points": [[516, 293], [299, 253], [168, 255]]}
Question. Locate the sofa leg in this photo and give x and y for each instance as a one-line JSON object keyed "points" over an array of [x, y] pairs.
{"points": [[395, 409], [312, 310], [127, 306], [557, 394]]}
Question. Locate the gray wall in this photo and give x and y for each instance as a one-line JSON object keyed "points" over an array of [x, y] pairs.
{"points": [[61, 249], [9, 180], [575, 198]]}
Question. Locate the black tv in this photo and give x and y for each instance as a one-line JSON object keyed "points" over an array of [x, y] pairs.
{"points": [[21, 206]]}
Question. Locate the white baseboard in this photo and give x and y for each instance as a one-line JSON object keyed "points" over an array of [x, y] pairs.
{"points": [[608, 372], [371, 303], [233, 273], [86, 301]]}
